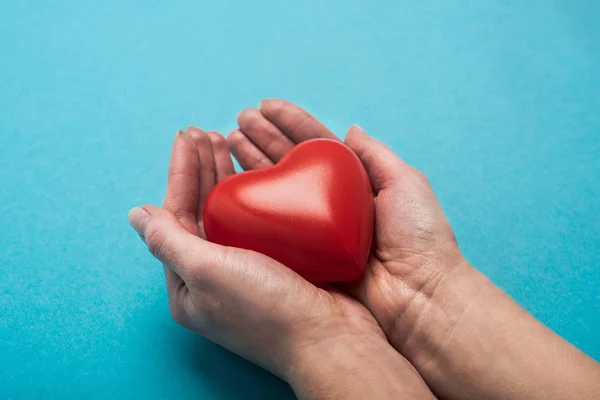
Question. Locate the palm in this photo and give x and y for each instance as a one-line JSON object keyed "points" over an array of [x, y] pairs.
{"points": [[419, 224], [404, 253], [199, 161], [409, 221]]}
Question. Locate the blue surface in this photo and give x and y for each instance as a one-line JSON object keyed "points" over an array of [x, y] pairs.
{"points": [[498, 102]]}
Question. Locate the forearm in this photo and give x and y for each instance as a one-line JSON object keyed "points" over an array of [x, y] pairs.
{"points": [[367, 369], [486, 346]]}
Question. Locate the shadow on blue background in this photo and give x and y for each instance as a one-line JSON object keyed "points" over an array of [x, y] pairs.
{"points": [[498, 103]]}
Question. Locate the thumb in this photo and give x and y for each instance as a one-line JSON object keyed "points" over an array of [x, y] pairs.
{"points": [[167, 239], [382, 165]]}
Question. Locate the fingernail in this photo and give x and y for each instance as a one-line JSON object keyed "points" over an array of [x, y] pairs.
{"points": [[180, 133], [360, 130], [260, 104], [138, 218], [194, 134]]}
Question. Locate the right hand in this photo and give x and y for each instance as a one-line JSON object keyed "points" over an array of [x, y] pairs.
{"points": [[464, 335]]}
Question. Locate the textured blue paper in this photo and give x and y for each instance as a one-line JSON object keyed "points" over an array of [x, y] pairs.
{"points": [[498, 102]]}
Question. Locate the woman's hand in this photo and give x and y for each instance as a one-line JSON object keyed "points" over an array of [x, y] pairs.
{"points": [[323, 342], [464, 335]]}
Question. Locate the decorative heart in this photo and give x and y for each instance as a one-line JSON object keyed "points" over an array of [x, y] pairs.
{"points": [[312, 212]]}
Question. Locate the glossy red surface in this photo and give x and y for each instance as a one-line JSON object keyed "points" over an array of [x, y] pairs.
{"points": [[313, 212]]}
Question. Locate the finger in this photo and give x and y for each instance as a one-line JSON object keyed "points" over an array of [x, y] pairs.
{"points": [[297, 124], [266, 136], [168, 240], [224, 276], [382, 165], [180, 202], [207, 174], [183, 189], [223, 163], [171, 244], [199, 262], [247, 154]]}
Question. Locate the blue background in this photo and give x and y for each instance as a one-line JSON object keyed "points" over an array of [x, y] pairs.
{"points": [[498, 102]]}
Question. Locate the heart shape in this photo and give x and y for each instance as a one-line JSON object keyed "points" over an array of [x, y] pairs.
{"points": [[312, 212]]}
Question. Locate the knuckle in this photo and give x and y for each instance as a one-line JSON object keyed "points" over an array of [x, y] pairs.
{"points": [[262, 162], [275, 146], [178, 211], [157, 242], [259, 161], [420, 177], [159, 245], [208, 168], [303, 120]]}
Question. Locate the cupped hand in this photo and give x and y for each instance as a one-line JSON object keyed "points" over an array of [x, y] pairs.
{"points": [[464, 336], [313, 337], [414, 246]]}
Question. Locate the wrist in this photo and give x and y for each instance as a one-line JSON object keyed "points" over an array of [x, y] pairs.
{"points": [[354, 366], [470, 340], [444, 303], [428, 331]]}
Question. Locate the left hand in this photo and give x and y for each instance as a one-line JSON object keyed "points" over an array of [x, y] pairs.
{"points": [[313, 337]]}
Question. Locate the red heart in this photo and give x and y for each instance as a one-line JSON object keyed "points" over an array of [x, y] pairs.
{"points": [[313, 212]]}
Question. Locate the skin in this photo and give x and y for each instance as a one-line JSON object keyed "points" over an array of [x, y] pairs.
{"points": [[466, 338], [463, 335], [312, 337]]}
